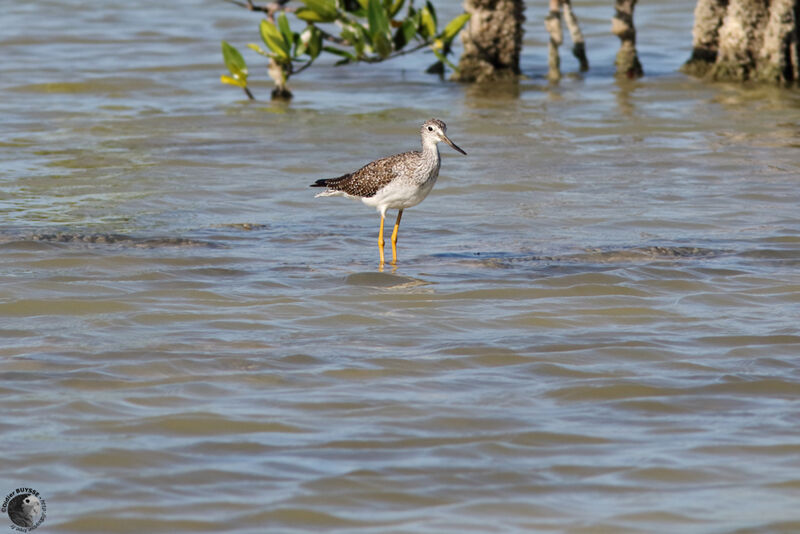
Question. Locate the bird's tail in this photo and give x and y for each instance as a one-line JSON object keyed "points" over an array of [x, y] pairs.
{"points": [[329, 182]]}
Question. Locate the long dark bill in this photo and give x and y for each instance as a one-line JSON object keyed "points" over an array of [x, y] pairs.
{"points": [[452, 144]]}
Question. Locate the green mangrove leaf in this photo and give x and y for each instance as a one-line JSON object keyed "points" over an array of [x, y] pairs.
{"points": [[308, 15], [286, 31], [234, 61], [274, 39], [382, 45], [409, 29], [404, 34], [315, 43], [232, 81], [376, 15], [427, 24], [454, 26], [257, 49], [433, 12], [325, 9]]}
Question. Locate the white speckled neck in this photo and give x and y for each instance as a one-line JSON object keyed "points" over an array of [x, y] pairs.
{"points": [[429, 144]]}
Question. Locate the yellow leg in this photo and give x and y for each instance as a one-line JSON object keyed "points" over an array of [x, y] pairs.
{"points": [[380, 240], [394, 236]]}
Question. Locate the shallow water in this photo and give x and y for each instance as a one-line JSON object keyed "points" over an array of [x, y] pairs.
{"points": [[592, 327]]}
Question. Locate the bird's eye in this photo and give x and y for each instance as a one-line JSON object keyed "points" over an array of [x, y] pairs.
{"points": [[430, 128]]}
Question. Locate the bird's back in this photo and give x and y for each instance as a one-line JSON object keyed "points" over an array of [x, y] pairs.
{"points": [[374, 176]]}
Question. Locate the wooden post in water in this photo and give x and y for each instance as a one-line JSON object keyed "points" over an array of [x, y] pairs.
{"points": [[492, 41], [622, 26], [741, 40], [553, 25]]}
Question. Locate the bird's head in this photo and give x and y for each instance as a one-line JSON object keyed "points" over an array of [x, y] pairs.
{"points": [[434, 131]]}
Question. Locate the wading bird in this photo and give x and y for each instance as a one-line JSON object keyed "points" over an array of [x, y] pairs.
{"points": [[396, 182]]}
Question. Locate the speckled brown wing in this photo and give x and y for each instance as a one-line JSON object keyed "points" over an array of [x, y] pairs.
{"points": [[369, 179]]}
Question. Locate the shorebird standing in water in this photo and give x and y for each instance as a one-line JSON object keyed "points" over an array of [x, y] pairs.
{"points": [[397, 182]]}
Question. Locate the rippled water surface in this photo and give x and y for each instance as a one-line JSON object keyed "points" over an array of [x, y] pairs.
{"points": [[593, 326]]}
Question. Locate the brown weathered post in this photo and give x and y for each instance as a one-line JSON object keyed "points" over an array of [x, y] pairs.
{"points": [[627, 61], [553, 25], [741, 40], [578, 44], [778, 58], [705, 36], [492, 41]]}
